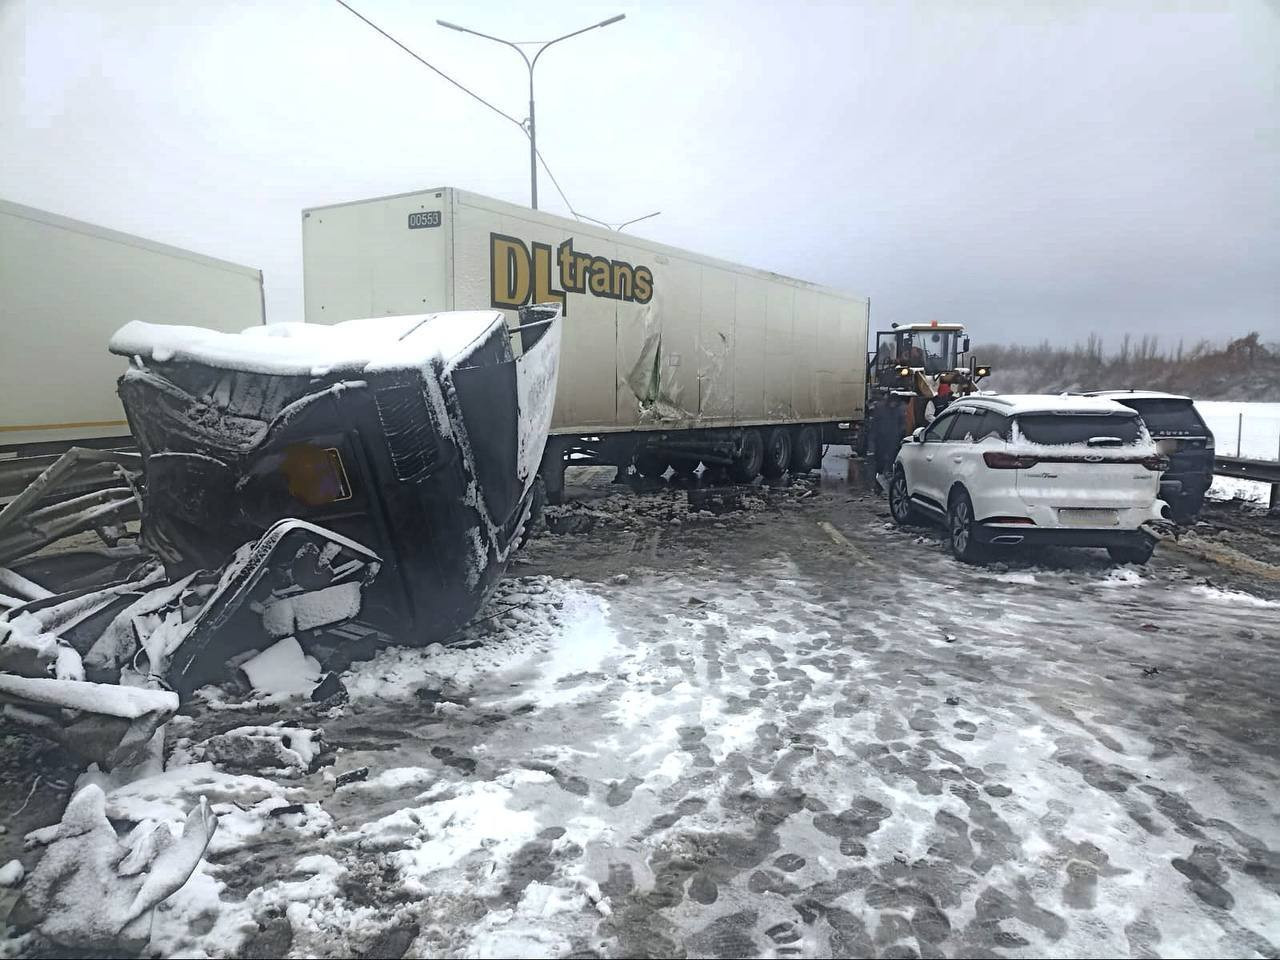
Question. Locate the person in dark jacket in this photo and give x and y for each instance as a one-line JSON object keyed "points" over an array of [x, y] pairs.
{"points": [[887, 430]]}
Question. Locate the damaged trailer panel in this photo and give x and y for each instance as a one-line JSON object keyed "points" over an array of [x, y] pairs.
{"points": [[665, 350]]}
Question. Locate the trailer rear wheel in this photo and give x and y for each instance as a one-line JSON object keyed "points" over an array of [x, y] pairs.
{"points": [[650, 465], [806, 450], [684, 467], [750, 457], [777, 453]]}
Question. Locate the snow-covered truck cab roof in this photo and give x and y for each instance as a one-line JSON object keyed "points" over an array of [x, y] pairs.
{"points": [[417, 436], [315, 350]]}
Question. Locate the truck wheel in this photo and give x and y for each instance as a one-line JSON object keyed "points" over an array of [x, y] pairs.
{"points": [[750, 458], [777, 453], [650, 465], [806, 450], [685, 469]]}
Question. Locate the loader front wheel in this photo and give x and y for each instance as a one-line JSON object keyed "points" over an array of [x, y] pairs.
{"points": [[750, 458], [777, 453]]}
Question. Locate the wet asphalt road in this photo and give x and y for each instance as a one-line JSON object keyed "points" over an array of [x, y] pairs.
{"points": [[784, 741], [794, 743], [886, 752]]}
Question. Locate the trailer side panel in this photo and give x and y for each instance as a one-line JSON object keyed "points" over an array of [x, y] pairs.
{"points": [[655, 338], [65, 287]]}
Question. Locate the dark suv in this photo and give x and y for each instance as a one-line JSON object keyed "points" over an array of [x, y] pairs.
{"points": [[1188, 443]]}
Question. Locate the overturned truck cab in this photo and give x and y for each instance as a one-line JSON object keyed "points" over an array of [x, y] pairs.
{"points": [[327, 483], [418, 437]]}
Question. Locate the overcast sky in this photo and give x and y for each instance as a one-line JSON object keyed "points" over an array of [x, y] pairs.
{"points": [[1031, 169]]}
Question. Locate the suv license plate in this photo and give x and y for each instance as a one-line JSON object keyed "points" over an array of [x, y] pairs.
{"points": [[1086, 517]]}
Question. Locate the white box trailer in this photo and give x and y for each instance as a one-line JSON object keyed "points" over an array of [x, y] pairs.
{"points": [[65, 288], [668, 357]]}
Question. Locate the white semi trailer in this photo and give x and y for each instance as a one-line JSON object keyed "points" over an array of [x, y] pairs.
{"points": [[669, 358], [65, 288]]}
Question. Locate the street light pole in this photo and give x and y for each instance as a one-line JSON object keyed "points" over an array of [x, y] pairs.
{"points": [[532, 130], [533, 145]]}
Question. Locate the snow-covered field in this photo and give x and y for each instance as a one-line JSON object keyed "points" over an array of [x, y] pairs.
{"points": [[738, 736], [1246, 430]]}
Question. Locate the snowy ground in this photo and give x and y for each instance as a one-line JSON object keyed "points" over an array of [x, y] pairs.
{"points": [[737, 734], [1245, 430]]}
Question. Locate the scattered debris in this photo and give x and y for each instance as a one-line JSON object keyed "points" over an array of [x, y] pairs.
{"points": [[110, 724], [330, 688], [351, 776], [1150, 671], [953, 701], [289, 750], [669, 505], [282, 668], [11, 873], [95, 890]]}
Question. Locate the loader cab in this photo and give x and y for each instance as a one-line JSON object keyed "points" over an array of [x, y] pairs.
{"points": [[933, 348]]}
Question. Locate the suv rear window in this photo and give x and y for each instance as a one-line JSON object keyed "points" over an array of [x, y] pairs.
{"points": [[1059, 428], [1169, 418]]}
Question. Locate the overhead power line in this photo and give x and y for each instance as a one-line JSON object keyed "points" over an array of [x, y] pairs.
{"points": [[475, 96], [429, 66]]}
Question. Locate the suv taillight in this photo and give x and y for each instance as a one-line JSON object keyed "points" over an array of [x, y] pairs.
{"points": [[1160, 464], [1008, 461]]}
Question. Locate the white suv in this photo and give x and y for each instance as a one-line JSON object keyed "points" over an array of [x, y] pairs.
{"points": [[1075, 471]]}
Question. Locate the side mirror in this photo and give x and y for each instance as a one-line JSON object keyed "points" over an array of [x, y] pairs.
{"points": [[964, 344], [917, 435]]}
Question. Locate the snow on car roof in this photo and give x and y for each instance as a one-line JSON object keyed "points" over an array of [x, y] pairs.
{"points": [[1123, 395], [1016, 403], [312, 349]]}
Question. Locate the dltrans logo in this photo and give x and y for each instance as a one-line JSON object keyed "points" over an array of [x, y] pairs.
{"points": [[521, 274]]}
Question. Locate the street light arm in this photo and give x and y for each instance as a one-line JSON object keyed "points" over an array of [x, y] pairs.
{"points": [[515, 47], [638, 219], [594, 26]]}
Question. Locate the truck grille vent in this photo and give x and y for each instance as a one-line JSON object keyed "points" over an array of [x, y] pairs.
{"points": [[407, 425]]}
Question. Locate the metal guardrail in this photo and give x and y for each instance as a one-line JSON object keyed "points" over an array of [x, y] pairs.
{"points": [[1243, 468], [1264, 471]]}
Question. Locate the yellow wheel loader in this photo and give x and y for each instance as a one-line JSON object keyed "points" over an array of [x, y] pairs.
{"points": [[914, 372]]}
